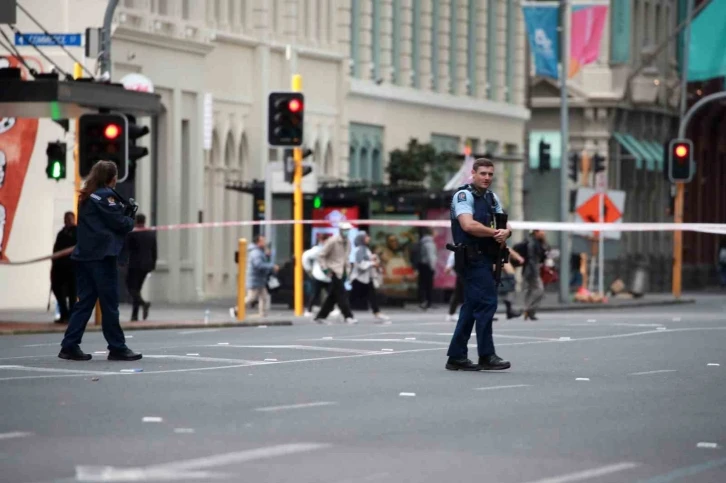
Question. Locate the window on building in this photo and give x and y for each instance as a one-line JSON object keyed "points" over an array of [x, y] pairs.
{"points": [[511, 51], [471, 48], [435, 20], [376, 40], [354, 38], [453, 45], [396, 34], [444, 143], [492, 49], [366, 148], [415, 41]]}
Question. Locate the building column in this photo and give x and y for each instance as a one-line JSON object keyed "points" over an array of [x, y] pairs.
{"points": [[462, 11], [365, 54], [197, 204], [482, 51], [405, 76], [386, 57], [425, 47], [173, 195]]}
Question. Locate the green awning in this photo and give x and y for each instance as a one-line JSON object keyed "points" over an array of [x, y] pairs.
{"points": [[657, 149], [635, 152], [645, 152]]}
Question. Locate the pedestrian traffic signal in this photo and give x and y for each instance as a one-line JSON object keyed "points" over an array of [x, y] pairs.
{"points": [[599, 162], [307, 166], [317, 202], [680, 161], [573, 166], [285, 113], [103, 137], [544, 156], [135, 132], [56, 168]]}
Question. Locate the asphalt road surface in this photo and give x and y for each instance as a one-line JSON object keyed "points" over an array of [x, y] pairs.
{"points": [[611, 396]]}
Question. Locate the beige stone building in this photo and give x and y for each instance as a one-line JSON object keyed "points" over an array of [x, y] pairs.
{"points": [[375, 73]]}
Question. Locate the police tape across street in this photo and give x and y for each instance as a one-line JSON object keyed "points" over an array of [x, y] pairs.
{"points": [[712, 228]]}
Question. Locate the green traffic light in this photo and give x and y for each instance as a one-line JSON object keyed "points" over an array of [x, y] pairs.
{"points": [[317, 202], [56, 170]]}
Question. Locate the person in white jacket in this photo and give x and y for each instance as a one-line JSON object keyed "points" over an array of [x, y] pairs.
{"points": [[319, 280], [366, 275]]}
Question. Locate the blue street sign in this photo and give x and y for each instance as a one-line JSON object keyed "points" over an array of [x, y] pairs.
{"points": [[43, 40]]}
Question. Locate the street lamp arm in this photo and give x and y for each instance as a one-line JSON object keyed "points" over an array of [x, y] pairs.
{"points": [[692, 111]]}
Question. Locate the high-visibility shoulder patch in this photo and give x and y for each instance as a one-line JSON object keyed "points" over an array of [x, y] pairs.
{"points": [[95, 196]]}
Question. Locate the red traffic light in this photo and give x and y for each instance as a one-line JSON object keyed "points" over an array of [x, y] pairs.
{"points": [[111, 131], [681, 150], [294, 105]]}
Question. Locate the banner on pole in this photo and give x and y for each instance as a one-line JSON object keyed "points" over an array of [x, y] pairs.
{"points": [[541, 22], [586, 29]]}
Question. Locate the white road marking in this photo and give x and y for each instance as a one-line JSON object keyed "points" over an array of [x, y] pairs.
{"points": [[525, 337], [399, 340], [565, 338], [652, 372], [591, 320], [151, 419], [407, 394], [99, 352], [42, 345], [588, 474], [15, 434], [222, 343], [713, 364], [327, 338], [49, 369], [304, 347], [185, 469], [193, 354], [184, 430], [195, 357], [197, 331], [487, 388], [261, 326], [386, 350], [707, 445], [676, 319], [131, 371], [410, 338], [296, 406], [660, 328], [582, 379], [270, 360]]}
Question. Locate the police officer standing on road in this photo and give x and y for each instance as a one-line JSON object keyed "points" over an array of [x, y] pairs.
{"points": [[477, 243], [104, 219]]}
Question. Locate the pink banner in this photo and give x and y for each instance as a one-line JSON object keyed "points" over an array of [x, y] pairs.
{"points": [[586, 31], [442, 236]]}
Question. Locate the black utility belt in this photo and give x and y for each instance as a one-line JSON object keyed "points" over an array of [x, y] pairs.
{"points": [[474, 252]]}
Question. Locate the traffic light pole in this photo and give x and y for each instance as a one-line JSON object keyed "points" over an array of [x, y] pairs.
{"points": [[297, 198], [564, 191]]}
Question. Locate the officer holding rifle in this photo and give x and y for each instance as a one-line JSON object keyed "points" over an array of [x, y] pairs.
{"points": [[479, 230]]}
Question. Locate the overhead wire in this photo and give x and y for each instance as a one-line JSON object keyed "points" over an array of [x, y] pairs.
{"points": [[15, 52], [17, 31], [54, 39]]}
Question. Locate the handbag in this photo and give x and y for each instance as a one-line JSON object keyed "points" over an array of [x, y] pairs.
{"points": [[273, 283]]}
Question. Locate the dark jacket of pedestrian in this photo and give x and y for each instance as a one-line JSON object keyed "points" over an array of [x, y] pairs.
{"points": [[66, 238], [141, 246]]}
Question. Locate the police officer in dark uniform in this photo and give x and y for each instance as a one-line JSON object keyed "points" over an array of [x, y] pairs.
{"points": [[477, 243], [104, 219]]}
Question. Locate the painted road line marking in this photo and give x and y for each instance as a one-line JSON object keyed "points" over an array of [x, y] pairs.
{"points": [[707, 445], [184, 430], [507, 336], [582, 379], [680, 474], [410, 338], [660, 328], [99, 352], [591, 320], [652, 372], [676, 319], [196, 357], [305, 347], [399, 340], [192, 354], [129, 336], [713, 364], [151, 419], [222, 343], [261, 326], [295, 406], [386, 350], [327, 338], [49, 369], [197, 331], [487, 388], [42, 345], [565, 338], [588, 474], [15, 434], [131, 371], [408, 394], [270, 360]]}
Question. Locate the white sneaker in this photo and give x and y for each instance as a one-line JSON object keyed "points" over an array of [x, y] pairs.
{"points": [[322, 321], [233, 312], [350, 320], [307, 314], [451, 318], [335, 313], [383, 319]]}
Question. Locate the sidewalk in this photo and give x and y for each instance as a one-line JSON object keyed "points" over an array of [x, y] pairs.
{"points": [[193, 315]]}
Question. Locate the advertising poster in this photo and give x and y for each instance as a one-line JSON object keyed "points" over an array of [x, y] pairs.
{"points": [[17, 140], [392, 245], [442, 236], [330, 217]]}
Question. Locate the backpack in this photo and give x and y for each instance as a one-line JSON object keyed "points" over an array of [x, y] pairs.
{"points": [[521, 249], [414, 253]]}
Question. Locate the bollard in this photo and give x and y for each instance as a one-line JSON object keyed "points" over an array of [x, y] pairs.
{"points": [[241, 279]]}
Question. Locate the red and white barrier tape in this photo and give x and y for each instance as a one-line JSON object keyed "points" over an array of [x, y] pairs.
{"points": [[712, 228]]}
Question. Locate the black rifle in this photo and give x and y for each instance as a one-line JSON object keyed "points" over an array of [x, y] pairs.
{"points": [[502, 255]]}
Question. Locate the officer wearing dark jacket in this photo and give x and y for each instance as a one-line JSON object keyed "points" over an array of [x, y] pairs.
{"points": [[104, 219], [141, 245], [62, 275], [472, 220]]}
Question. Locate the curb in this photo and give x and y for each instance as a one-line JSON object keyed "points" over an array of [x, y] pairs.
{"points": [[130, 327], [576, 306]]}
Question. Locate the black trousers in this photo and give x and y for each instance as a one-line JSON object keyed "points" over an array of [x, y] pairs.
{"points": [[318, 288], [425, 285], [336, 295], [134, 282], [367, 294], [63, 285], [458, 296]]}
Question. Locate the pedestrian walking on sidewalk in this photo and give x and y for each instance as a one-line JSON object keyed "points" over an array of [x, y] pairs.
{"points": [[142, 261], [536, 252], [333, 259], [366, 275], [62, 271], [104, 219], [319, 280]]}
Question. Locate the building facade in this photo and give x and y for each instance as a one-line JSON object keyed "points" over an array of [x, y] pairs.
{"points": [[623, 108], [375, 73]]}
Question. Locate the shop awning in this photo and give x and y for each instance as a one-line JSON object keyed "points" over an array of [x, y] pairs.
{"points": [[625, 143], [657, 150], [641, 150]]}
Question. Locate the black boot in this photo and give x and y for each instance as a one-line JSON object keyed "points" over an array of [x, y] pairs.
{"points": [[461, 365], [493, 363], [123, 355], [511, 314], [146, 307], [74, 354]]}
